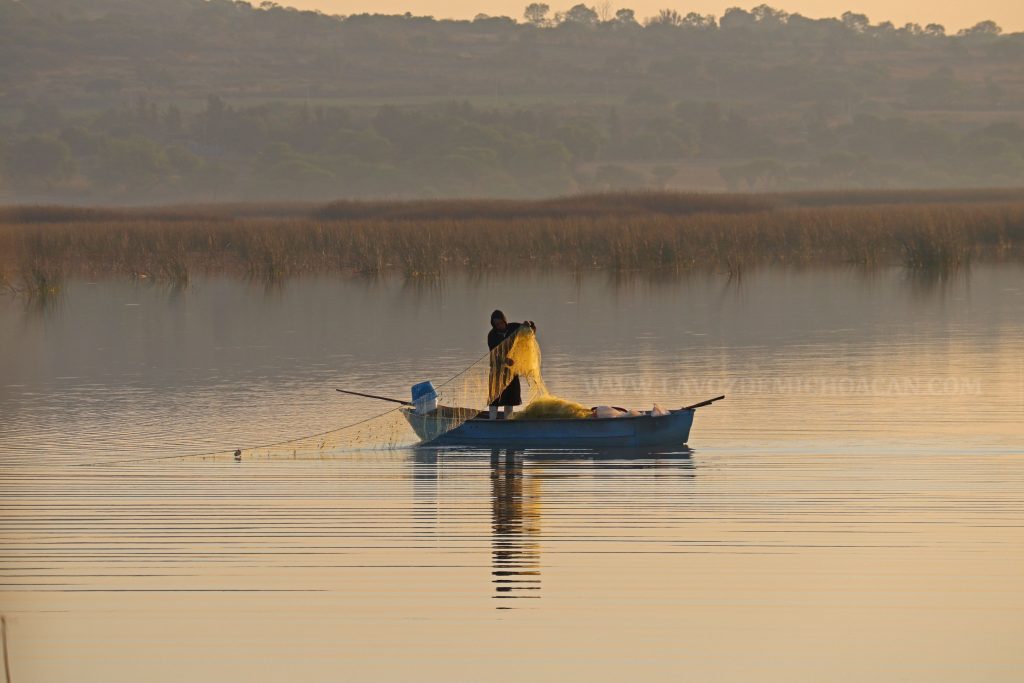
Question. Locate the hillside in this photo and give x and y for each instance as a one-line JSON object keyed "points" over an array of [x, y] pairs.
{"points": [[136, 101]]}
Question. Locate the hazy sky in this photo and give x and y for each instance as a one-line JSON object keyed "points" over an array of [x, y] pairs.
{"points": [[953, 14]]}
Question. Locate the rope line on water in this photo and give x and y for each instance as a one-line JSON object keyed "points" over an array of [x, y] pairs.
{"points": [[279, 443]]}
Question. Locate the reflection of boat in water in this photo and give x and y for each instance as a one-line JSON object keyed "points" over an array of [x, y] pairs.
{"points": [[433, 428], [516, 496], [598, 458], [515, 506]]}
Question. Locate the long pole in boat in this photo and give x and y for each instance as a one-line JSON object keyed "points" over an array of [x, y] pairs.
{"points": [[379, 398], [705, 403]]}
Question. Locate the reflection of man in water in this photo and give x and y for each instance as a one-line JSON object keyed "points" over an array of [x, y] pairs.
{"points": [[515, 525], [501, 330]]}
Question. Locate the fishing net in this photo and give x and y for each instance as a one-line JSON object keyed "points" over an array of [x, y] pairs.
{"points": [[465, 397], [460, 398], [552, 408]]}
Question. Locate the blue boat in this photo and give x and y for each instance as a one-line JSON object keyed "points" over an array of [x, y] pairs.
{"points": [[476, 430]]}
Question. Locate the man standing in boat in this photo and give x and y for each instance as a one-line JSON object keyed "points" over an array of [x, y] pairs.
{"points": [[501, 330]]}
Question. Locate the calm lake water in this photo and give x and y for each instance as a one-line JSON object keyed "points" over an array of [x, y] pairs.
{"points": [[854, 510]]}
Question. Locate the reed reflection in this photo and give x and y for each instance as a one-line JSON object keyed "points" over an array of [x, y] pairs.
{"points": [[515, 528]]}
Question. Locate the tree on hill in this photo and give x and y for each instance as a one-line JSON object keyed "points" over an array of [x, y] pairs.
{"points": [[982, 28], [536, 14], [580, 15]]}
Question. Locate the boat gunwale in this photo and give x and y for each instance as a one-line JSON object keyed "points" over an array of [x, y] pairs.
{"points": [[528, 420]]}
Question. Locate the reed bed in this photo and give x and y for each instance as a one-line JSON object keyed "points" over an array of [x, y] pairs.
{"points": [[40, 247]]}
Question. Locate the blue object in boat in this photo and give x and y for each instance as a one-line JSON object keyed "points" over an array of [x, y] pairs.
{"points": [[423, 391]]}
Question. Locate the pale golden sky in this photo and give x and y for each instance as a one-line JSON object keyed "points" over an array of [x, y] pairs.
{"points": [[952, 14]]}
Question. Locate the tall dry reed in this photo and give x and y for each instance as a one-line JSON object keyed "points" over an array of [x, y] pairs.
{"points": [[42, 246]]}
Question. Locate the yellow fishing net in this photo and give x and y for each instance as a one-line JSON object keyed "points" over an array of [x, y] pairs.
{"points": [[517, 355], [552, 408], [460, 398], [465, 397]]}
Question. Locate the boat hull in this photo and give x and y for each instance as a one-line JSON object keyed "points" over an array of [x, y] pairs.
{"points": [[639, 431]]}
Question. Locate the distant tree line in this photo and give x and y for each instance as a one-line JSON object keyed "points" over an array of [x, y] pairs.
{"points": [[167, 100], [540, 15]]}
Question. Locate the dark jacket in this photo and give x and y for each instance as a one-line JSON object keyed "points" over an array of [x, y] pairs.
{"points": [[512, 396]]}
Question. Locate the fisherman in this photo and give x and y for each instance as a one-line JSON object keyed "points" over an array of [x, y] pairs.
{"points": [[501, 330]]}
